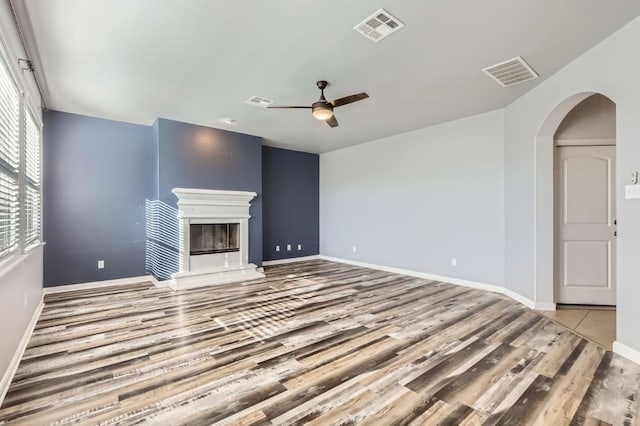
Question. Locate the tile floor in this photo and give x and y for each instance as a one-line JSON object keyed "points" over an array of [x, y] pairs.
{"points": [[593, 323]]}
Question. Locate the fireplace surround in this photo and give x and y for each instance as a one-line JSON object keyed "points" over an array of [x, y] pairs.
{"points": [[213, 238]]}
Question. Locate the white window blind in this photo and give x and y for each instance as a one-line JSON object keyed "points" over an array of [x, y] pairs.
{"points": [[32, 190], [9, 161]]}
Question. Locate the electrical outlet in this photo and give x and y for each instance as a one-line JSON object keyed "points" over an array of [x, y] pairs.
{"points": [[277, 248], [355, 249], [299, 247], [454, 261], [100, 264], [288, 247]]}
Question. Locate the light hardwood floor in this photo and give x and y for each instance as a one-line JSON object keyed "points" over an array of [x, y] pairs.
{"points": [[315, 342]]}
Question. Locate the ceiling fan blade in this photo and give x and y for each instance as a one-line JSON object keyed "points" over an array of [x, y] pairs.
{"points": [[288, 107], [332, 122], [349, 99]]}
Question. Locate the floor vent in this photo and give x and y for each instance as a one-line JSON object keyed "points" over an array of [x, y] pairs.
{"points": [[378, 26], [511, 72], [258, 101]]}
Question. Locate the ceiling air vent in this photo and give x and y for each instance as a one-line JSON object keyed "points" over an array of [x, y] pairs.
{"points": [[378, 26], [511, 72], [258, 101]]}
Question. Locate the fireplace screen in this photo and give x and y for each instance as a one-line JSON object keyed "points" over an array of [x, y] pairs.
{"points": [[214, 238]]}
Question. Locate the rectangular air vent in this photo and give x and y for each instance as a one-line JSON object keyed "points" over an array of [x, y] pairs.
{"points": [[378, 26], [511, 72], [258, 101]]}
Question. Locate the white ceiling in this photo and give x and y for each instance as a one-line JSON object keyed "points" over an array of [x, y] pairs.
{"points": [[199, 60]]}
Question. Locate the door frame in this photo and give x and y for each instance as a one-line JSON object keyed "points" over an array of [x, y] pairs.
{"points": [[544, 201]]}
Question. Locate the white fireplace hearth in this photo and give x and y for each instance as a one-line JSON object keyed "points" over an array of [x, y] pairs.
{"points": [[213, 238]]}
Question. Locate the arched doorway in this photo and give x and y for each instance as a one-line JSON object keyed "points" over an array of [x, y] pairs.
{"points": [[585, 208], [544, 199], [544, 225]]}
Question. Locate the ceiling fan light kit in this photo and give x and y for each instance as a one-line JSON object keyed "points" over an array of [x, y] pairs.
{"points": [[323, 109]]}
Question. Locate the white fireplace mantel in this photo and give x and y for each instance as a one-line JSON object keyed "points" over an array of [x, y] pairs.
{"points": [[206, 206]]}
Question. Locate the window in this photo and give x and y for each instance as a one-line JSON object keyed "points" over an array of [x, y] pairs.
{"points": [[32, 184], [9, 161], [20, 168]]}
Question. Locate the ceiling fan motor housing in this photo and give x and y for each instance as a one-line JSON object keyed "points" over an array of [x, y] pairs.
{"points": [[321, 105], [322, 110]]}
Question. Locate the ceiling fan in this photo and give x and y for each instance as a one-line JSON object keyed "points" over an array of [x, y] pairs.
{"points": [[323, 109]]}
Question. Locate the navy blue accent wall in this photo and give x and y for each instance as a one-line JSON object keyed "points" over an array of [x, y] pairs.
{"points": [[290, 189], [97, 175], [155, 129], [191, 156]]}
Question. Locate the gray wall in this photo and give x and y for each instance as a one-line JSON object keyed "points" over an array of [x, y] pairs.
{"points": [[20, 294], [290, 188], [610, 68], [191, 156], [593, 118], [20, 275], [418, 199]]}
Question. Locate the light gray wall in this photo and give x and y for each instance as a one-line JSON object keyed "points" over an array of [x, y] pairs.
{"points": [[416, 200], [20, 275], [20, 282], [593, 118], [610, 68]]}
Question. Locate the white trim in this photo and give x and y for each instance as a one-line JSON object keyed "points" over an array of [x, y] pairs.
{"points": [[456, 281], [411, 273], [545, 306], [627, 352], [212, 277], [585, 142], [17, 356], [290, 260], [98, 284], [215, 197], [538, 306]]}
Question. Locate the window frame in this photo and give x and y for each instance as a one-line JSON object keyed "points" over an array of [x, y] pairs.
{"points": [[37, 121], [7, 169], [28, 105]]}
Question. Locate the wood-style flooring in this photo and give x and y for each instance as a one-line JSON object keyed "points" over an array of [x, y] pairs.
{"points": [[313, 343]]}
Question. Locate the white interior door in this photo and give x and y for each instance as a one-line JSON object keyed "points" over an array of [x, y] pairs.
{"points": [[586, 219]]}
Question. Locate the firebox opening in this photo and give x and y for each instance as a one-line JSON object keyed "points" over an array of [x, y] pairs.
{"points": [[213, 238]]}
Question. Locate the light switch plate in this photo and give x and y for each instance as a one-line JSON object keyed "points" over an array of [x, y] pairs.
{"points": [[632, 191]]}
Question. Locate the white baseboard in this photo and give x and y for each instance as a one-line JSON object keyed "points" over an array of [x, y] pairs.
{"points": [[457, 281], [627, 352], [98, 284], [291, 260], [544, 306], [417, 274], [537, 306], [17, 356]]}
